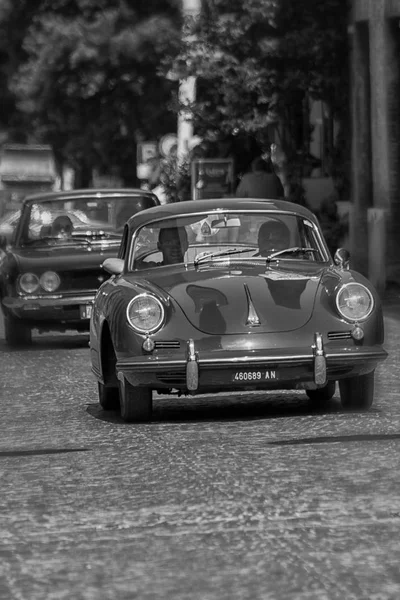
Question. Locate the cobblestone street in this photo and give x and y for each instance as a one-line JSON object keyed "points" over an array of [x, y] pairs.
{"points": [[246, 496]]}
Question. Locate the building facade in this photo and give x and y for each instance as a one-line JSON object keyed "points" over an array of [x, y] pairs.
{"points": [[374, 32]]}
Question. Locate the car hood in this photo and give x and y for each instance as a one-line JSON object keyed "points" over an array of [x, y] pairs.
{"points": [[63, 257], [220, 301]]}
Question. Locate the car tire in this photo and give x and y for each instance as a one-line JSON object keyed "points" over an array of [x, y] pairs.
{"points": [[321, 396], [136, 403], [357, 393], [108, 397], [16, 333]]}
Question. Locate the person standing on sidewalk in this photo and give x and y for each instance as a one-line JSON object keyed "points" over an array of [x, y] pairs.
{"points": [[261, 182]]}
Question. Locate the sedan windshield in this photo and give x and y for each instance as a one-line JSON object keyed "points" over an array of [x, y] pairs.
{"points": [[76, 220], [260, 236]]}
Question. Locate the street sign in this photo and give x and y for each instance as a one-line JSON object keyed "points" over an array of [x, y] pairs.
{"points": [[212, 178], [145, 153], [167, 144]]}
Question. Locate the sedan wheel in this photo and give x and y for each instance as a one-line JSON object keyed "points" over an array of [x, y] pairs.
{"points": [[357, 393], [108, 397], [136, 403], [321, 396], [16, 333]]}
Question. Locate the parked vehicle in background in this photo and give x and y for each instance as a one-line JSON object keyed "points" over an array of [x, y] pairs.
{"points": [[232, 294], [50, 269]]}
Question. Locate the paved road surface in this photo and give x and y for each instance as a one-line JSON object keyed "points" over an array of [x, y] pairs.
{"points": [[241, 497]]}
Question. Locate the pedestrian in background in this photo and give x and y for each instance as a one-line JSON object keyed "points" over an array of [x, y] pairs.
{"points": [[261, 182]]}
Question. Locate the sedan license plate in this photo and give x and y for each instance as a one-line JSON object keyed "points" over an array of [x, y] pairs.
{"points": [[255, 376], [85, 311]]}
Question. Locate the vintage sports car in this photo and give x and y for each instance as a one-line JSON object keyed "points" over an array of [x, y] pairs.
{"points": [[232, 294], [51, 268]]}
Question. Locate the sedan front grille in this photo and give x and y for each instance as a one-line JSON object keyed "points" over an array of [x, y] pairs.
{"points": [[82, 281]]}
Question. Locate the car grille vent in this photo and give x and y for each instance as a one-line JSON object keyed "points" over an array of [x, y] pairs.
{"points": [[339, 335], [167, 344], [173, 377]]}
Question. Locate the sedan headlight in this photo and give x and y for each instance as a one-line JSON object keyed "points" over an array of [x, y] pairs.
{"points": [[145, 313], [49, 281], [354, 302], [29, 283]]}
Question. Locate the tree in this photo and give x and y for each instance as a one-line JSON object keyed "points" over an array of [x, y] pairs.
{"points": [[257, 63], [88, 79]]}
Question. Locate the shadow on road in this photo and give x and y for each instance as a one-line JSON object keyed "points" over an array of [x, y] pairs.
{"points": [[49, 342], [227, 409], [40, 452], [372, 437]]}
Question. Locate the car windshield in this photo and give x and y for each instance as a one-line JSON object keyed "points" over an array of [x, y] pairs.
{"points": [[220, 236], [72, 220]]}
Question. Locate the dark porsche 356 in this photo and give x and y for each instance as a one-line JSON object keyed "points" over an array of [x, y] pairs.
{"points": [[51, 268], [232, 294]]}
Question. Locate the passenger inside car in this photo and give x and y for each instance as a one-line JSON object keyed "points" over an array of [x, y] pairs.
{"points": [[272, 237], [61, 227]]}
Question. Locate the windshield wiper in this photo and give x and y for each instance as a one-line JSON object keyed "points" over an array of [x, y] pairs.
{"points": [[201, 257], [291, 251]]}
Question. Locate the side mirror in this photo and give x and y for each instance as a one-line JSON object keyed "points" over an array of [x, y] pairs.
{"points": [[114, 266], [342, 258]]}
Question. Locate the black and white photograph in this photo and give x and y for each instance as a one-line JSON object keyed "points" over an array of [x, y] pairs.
{"points": [[200, 299]]}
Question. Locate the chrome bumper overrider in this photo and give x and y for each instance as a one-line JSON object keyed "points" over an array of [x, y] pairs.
{"points": [[315, 359]]}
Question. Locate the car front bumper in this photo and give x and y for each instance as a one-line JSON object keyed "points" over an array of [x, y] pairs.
{"points": [[308, 368], [52, 308]]}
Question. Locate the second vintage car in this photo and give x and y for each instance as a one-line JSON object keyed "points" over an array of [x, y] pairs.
{"points": [[50, 269], [232, 294]]}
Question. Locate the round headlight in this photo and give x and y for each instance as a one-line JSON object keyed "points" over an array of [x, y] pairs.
{"points": [[145, 313], [49, 281], [354, 302], [29, 283]]}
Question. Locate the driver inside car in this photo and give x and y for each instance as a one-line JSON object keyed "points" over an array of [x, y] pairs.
{"points": [[273, 236]]}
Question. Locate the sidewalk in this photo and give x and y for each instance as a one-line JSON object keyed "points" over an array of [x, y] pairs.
{"points": [[391, 301]]}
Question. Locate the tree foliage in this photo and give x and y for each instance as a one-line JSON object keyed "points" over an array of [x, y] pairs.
{"points": [[87, 77], [258, 61]]}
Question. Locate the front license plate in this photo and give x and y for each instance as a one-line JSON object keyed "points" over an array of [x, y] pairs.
{"points": [[86, 311], [255, 376]]}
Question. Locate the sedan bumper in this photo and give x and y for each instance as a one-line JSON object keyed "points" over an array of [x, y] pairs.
{"points": [[308, 368], [62, 308]]}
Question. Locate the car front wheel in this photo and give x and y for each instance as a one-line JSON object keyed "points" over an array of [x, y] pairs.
{"points": [[136, 403], [16, 333], [108, 397], [357, 393]]}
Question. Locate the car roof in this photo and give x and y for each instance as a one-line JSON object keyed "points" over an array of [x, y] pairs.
{"points": [[216, 204], [89, 193]]}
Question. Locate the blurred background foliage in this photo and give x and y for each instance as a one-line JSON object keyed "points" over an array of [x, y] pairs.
{"points": [[83, 76], [95, 77]]}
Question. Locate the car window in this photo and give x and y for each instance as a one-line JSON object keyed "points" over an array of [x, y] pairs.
{"points": [[96, 217], [193, 236]]}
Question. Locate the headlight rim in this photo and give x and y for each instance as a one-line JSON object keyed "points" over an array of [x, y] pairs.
{"points": [[369, 293], [43, 287], [20, 286], [159, 324]]}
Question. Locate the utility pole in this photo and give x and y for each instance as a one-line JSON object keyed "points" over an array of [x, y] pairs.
{"points": [[187, 86]]}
